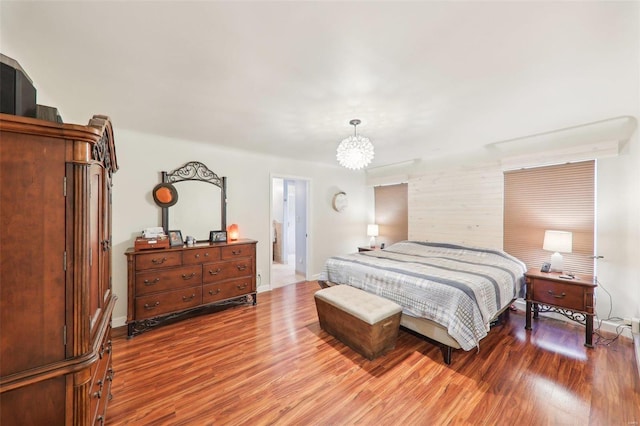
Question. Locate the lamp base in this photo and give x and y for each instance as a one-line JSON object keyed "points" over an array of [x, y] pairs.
{"points": [[372, 242], [556, 262]]}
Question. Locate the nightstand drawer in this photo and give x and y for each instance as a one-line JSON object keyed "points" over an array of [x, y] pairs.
{"points": [[555, 293]]}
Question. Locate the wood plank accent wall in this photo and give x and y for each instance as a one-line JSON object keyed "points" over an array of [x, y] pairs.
{"points": [[460, 205]]}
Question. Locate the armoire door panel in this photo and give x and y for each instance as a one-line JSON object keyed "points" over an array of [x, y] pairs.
{"points": [[32, 250], [96, 231]]}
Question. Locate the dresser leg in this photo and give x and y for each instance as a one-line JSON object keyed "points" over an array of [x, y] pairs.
{"points": [[527, 324], [588, 341]]}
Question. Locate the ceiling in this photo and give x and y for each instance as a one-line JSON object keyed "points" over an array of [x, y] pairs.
{"points": [[427, 79]]}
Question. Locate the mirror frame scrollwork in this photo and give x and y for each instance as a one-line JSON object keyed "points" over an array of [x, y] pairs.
{"points": [[196, 171]]}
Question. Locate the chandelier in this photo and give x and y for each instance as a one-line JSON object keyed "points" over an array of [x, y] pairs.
{"points": [[355, 152]]}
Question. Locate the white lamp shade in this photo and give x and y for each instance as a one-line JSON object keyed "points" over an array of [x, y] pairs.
{"points": [[372, 230], [558, 241]]}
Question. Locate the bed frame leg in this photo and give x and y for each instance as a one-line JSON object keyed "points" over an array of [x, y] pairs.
{"points": [[446, 354]]}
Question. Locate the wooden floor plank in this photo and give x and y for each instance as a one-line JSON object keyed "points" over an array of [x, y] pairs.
{"points": [[273, 364]]}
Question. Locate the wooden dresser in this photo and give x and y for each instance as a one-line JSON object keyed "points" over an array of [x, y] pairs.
{"points": [[168, 284], [55, 271]]}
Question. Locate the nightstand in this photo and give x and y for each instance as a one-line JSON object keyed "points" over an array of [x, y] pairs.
{"points": [[573, 298], [367, 248]]}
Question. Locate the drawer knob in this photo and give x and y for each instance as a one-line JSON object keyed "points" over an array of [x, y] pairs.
{"points": [[241, 267], [188, 298], [206, 254], [188, 277], [242, 286], [158, 261], [236, 252], [97, 394], [147, 282], [216, 272], [197, 255], [213, 293], [150, 307], [557, 296]]}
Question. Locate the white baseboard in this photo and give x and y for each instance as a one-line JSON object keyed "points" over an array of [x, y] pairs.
{"points": [[118, 322], [608, 326]]}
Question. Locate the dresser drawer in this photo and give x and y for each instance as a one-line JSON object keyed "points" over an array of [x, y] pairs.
{"points": [[237, 251], [227, 289], [220, 271], [158, 260], [170, 301], [167, 279], [555, 293], [201, 255]]}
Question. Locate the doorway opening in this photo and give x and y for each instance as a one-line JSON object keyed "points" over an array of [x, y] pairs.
{"points": [[289, 219]]}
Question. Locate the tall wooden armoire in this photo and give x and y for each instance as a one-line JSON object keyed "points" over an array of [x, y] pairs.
{"points": [[55, 277]]}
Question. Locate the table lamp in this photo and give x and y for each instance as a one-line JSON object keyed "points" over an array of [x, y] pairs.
{"points": [[233, 232], [372, 231], [557, 242]]}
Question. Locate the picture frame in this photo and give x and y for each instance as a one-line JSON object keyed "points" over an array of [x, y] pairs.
{"points": [[218, 236], [175, 238], [546, 267]]}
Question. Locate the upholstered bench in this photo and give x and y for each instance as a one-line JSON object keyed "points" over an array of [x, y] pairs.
{"points": [[363, 321]]}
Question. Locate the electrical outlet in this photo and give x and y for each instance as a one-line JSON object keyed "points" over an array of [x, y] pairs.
{"points": [[626, 321]]}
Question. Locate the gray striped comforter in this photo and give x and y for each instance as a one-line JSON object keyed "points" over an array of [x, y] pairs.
{"points": [[461, 288]]}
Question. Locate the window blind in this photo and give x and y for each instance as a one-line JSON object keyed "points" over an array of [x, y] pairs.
{"points": [[561, 198], [391, 212]]}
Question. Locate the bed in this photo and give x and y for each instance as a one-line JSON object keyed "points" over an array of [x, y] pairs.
{"points": [[449, 293]]}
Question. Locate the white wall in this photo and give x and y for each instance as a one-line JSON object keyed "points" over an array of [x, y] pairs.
{"points": [[618, 232], [142, 157]]}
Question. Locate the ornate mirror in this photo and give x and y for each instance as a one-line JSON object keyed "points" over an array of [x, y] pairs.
{"points": [[201, 204]]}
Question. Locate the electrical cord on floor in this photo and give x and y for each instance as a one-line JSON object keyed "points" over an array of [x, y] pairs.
{"points": [[606, 341]]}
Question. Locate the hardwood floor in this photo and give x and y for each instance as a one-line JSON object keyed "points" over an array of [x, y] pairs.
{"points": [[272, 364]]}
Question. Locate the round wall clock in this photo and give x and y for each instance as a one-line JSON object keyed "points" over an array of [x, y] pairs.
{"points": [[340, 201]]}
